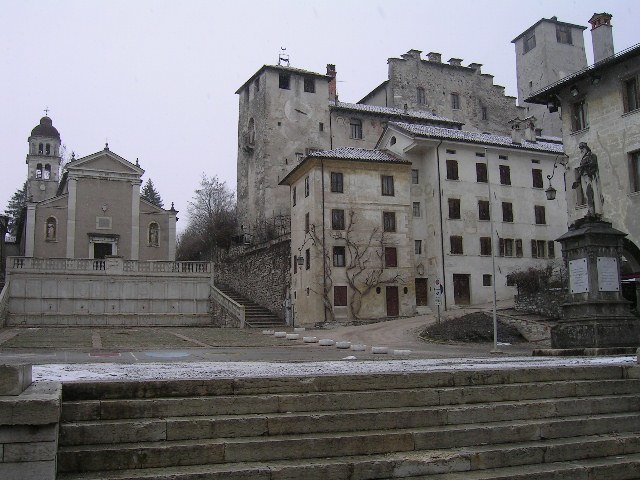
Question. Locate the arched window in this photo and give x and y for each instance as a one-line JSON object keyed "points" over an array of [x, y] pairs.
{"points": [[51, 228], [47, 171], [154, 234], [48, 149], [252, 131], [39, 170], [41, 149]]}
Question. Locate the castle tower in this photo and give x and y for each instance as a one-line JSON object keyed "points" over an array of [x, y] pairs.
{"points": [[43, 161], [546, 52]]}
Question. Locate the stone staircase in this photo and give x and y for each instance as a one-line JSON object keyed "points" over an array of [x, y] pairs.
{"points": [[256, 316], [537, 423]]}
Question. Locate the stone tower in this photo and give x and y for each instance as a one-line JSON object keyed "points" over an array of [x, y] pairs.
{"points": [[546, 52], [43, 161], [283, 114]]}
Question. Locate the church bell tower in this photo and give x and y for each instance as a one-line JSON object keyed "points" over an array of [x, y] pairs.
{"points": [[43, 161]]}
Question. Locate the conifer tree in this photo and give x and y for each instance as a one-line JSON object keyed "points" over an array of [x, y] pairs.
{"points": [[15, 209], [150, 194]]}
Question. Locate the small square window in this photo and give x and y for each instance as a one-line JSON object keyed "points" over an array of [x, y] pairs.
{"points": [[486, 280], [321, 127], [416, 209], [339, 296], [455, 101], [454, 209], [415, 177], [503, 157], [389, 221], [507, 212], [417, 247], [339, 259], [452, 170], [336, 182], [337, 219], [481, 172], [505, 175], [284, 81], [540, 215], [563, 34], [387, 185], [450, 151], [309, 85], [483, 210], [456, 244], [390, 257]]}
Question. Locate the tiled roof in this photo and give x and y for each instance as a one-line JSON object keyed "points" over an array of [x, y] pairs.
{"points": [[351, 153], [390, 111], [474, 137]]}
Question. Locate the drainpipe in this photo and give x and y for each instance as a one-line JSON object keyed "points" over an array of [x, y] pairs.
{"points": [[324, 248], [444, 279]]}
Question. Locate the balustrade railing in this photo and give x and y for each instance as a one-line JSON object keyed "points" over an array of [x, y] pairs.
{"points": [[230, 305], [108, 265]]}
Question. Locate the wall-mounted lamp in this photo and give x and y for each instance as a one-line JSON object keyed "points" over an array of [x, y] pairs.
{"points": [[574, 91], [550, 191]]}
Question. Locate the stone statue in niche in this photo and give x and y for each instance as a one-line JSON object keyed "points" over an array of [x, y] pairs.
{"points": [[51, 229], [589, 179]]}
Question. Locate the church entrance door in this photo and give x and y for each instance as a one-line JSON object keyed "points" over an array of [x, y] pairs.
{"points": [[101, 250]]}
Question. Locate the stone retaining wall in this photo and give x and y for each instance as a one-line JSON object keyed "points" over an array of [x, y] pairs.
{"points": [[261, 274], [29, 416], [547, 303]]}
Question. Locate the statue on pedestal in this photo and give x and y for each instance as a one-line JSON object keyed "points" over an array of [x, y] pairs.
{"points": [[589, 179]]}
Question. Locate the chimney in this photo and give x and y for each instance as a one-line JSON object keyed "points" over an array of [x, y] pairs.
{"points": [[516, 132], [530, 129], [331, 72], [601, 36], [413, 53], [456, 62], [477, 67], [434, 57]]}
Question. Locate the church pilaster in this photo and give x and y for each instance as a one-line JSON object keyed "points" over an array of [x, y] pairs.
{"points": [[135, 220], [30, 233], [71, 218]]}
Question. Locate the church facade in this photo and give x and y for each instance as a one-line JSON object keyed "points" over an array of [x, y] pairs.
{"points": [[93, 209]]}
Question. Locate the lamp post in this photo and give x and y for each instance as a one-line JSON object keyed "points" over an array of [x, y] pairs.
{"points": [[550, 191]]}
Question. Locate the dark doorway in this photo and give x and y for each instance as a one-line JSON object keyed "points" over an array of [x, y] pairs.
{"points": [[101, 250], [422, 292], [393, 303], [461, 290]]}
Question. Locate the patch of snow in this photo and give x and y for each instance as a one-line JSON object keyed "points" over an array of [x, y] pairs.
{"points": [[210, 370]]}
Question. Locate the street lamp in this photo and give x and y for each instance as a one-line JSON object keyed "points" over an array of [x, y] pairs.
{"points": [[550, 191]]}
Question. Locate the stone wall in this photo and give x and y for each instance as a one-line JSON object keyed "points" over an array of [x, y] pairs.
{"points": [[547, 303], [261, 273], [29, 415]]}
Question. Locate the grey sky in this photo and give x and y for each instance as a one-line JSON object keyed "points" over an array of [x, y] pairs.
{"points": [[157, 78]]}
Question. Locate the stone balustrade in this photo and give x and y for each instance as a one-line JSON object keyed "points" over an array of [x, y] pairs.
{"points": [[229, 312], [110, 266]]}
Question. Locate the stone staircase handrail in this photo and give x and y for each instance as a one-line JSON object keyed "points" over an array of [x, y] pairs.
{"points": [[4, 303], [229, 304]]}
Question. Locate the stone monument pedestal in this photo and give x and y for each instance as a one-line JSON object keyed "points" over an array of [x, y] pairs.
{"points": [[596, 315]]}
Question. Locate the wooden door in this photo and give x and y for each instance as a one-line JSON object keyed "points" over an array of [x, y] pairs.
{"points": [[393, 302], [422, 292], [461, 289]]}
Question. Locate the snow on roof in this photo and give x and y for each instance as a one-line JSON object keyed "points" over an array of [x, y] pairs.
{"points": [[352, 153], [475, 137], [390, 111]]}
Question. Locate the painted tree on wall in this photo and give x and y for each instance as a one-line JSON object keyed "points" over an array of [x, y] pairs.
{"points": [[364, 263], [150, 194]]}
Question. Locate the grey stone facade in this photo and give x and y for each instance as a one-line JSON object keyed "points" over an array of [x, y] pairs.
{"points": [[461, 93]]}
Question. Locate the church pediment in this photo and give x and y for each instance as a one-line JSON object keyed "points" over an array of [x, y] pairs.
{"points": [[104, 163]]}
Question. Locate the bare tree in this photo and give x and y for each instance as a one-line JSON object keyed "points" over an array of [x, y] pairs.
{"points": [[364, 264]]}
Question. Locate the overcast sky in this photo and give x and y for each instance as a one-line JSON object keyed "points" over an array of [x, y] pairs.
{"points": [[157, 78]]}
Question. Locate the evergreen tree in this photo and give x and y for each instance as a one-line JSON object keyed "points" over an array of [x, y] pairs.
{"points": [[150, 194], [15, 209]]}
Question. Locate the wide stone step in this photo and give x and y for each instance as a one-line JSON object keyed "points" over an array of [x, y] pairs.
{"points": [[334, 401], [403, 456], [620, 467], [436, 427], [337, 383]]}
